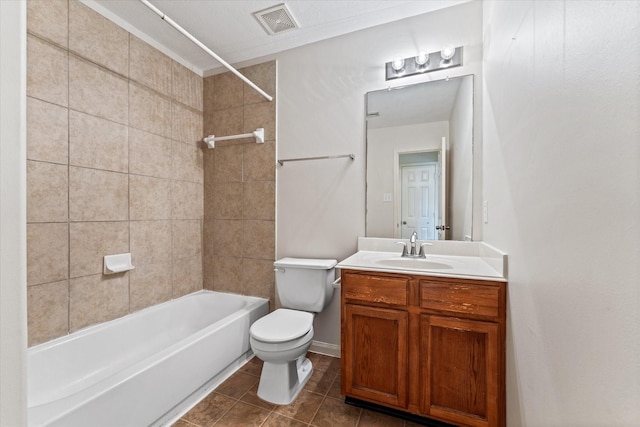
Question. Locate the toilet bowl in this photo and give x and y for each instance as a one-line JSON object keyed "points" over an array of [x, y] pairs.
{"points": [[281, 339]]}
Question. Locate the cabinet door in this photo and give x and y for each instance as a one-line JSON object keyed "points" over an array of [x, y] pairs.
{"points": [[459, 370], [375, 350]]}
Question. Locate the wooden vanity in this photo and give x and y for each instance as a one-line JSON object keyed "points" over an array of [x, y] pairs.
{"points": [[424, 345]]}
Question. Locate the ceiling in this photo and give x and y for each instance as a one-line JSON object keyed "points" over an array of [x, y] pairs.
{"points": [[229, 28]]}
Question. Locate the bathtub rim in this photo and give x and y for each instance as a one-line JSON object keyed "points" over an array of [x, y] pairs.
{"points": [[103, 325]]}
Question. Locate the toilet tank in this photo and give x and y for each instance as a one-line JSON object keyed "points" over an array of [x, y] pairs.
{"points": [[305, 284]]}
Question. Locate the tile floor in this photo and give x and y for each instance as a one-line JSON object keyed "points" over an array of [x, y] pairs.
{"points": [[235, 403]]}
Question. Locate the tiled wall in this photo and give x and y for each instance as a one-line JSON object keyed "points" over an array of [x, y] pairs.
{"points": [[239, 195], [114, 165]]}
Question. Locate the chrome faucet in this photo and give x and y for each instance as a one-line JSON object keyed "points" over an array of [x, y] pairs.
{"points": [[412, 241], [413, 250]]}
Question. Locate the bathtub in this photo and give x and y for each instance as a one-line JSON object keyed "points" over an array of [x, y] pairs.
{"points": [[146, 368]]}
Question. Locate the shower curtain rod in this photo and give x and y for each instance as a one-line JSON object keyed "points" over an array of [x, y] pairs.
{"points": [[205, 48]]}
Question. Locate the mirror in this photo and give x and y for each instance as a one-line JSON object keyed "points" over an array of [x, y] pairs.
{"points": [[420, 160]]}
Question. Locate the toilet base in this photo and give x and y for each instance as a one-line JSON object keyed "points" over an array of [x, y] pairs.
{"points": [[280, 383]]}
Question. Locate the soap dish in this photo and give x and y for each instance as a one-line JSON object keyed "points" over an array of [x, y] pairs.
{"points": [[117, 263]]}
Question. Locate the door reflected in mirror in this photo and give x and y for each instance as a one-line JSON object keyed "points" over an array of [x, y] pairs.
{"points": [[420, 160]]}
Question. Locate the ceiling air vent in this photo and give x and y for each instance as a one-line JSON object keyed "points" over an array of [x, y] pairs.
{"points": [[276, 19]]}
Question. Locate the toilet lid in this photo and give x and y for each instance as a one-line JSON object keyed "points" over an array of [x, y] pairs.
{"points": [[282, 325]]}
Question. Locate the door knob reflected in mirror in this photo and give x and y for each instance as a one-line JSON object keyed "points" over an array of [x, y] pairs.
{"points": [[404, 222]]}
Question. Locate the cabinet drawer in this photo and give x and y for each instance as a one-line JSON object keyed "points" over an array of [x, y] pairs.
{"points": [[463, 298], [373, 288]]}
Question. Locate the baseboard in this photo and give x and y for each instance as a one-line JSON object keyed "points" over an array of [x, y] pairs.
{"points": [[325, 348]]}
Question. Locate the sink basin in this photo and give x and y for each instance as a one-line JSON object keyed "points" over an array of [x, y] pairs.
{"points": [[413, 263]]}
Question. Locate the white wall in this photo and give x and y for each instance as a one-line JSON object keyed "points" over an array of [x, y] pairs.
{"points": [[461, 162], [321, 87], [561, 174], [13, 219], [382, 143]]}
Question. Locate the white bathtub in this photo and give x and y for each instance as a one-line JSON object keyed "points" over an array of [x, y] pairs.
{"points": [[143, 369]]}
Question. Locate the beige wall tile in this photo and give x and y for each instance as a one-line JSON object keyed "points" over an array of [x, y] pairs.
{"points": [[149, 198], [227, 122], [150, 242], [47, 72], [208, 125], [149, 66], [228, 163], [259, 200], [47, 131], [186, 125], [259, 238], [187, 275], [259, 162], [49, 19], [150, 284], [208, 235], [47, 253], [96, 195], [47, 311], [228, 238], [209, 190], [208, 92], [261, 115], [149, 154], [258, 278], [90, 242], [227, 200], [188, 162], [97, 143], [264, 76], [90, 125], [228, 92], [186, 200], [227, 275], [187, 238], [98, 298], [98, 39], [47, 190], [187, 86], [235, 233], [208, 270], [149, 111], [96, 91]]}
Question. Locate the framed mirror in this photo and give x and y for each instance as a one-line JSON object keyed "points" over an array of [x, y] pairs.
{"points": [[420, 160]]}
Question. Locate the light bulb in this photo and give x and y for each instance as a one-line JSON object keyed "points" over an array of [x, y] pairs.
{"points": [[397, 64], [422, 59], [447, 52]]}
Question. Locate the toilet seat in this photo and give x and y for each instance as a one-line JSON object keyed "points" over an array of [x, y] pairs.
{"points": [[281, 326]]}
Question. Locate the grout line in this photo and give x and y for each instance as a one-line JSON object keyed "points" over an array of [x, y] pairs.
{"points": [[68, 175]]}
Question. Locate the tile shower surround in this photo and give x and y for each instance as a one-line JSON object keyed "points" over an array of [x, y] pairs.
{"points": [[115, 164], [239, 185]]}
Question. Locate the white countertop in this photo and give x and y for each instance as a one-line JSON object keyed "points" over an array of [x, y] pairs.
{"points": [[467, 260]]}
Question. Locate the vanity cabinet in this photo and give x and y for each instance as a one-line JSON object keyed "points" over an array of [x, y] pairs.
{"points": [[428, 346]]}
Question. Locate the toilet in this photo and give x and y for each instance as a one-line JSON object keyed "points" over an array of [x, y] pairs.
{"points": [[281, 339]]}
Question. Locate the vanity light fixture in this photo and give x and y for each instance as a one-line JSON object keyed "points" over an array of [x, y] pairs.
{"points": [[447, 53], [422, 59], [397, 64], [448, 57]]}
